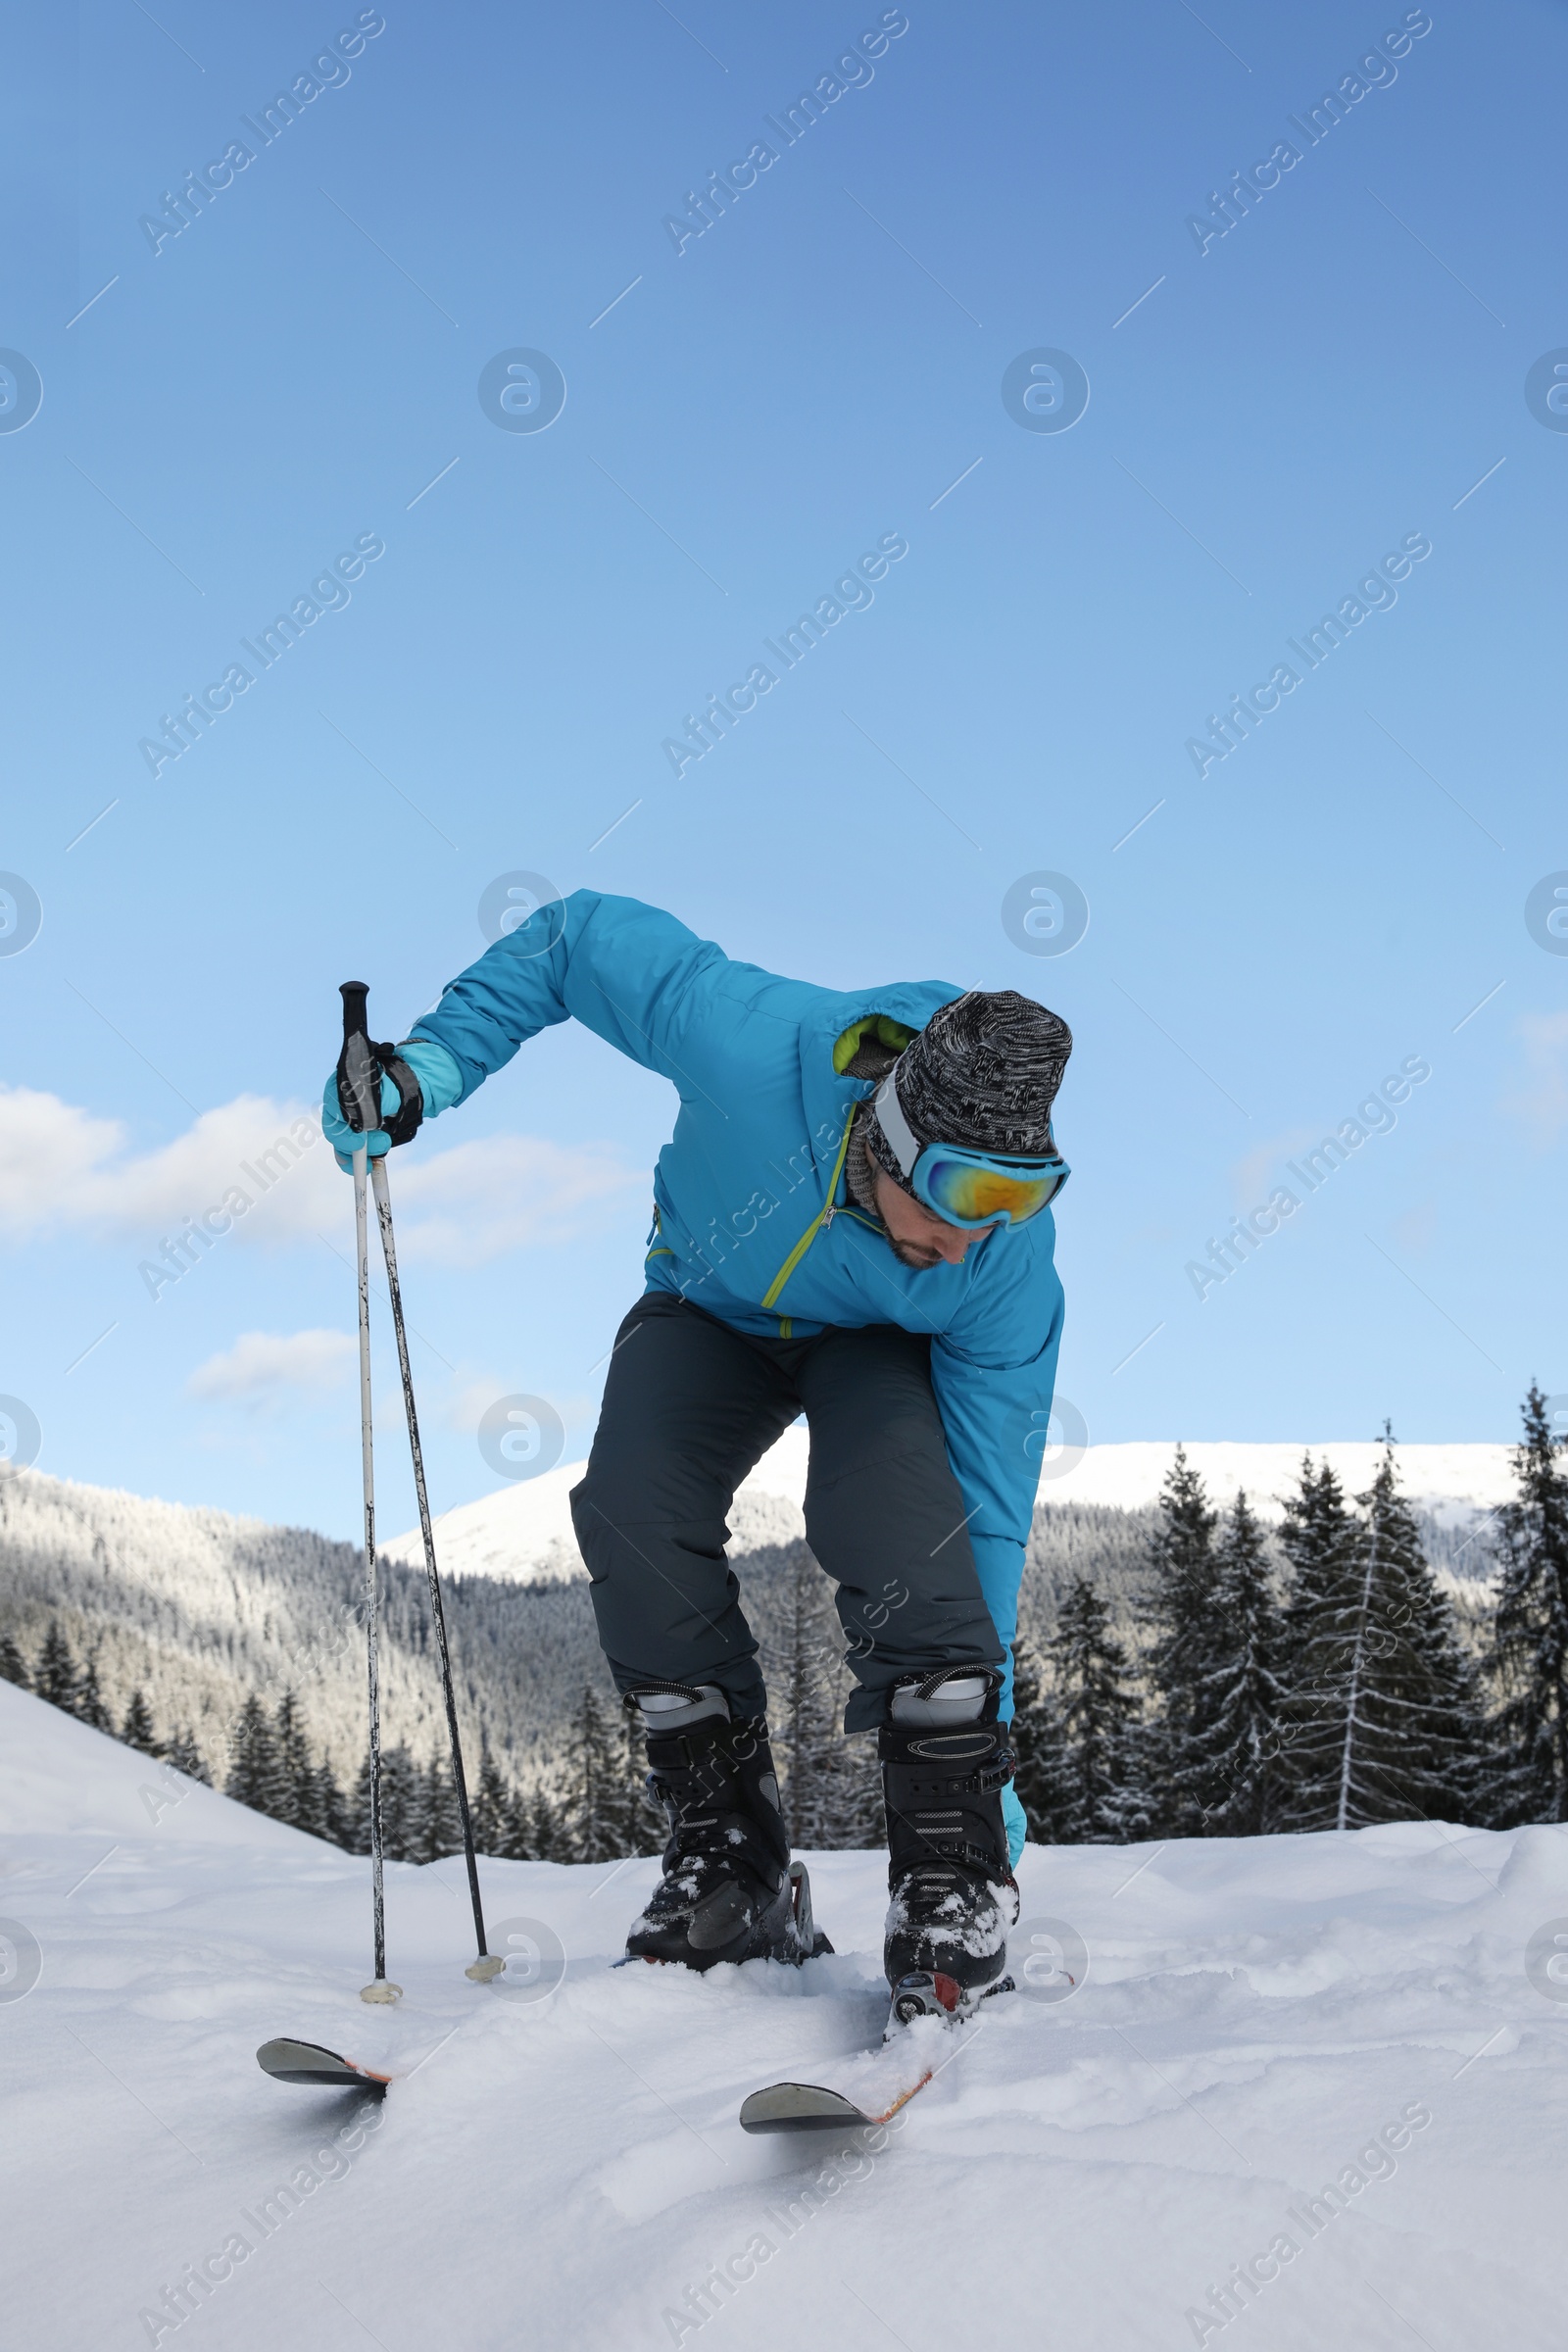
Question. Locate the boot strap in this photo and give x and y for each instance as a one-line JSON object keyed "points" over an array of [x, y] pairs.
{"points": [[971, 1857], [984, 1782]]}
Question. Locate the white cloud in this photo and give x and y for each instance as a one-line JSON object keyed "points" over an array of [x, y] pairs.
{"points": [[49, 1152], [272, 1153], [500, 1193], [261, 1363], [63, 1169]]}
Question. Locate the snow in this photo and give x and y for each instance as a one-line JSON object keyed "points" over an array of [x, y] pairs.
{"points": [[1452, 1481], [62, 1780], [559, 2164], [524, 1533]]}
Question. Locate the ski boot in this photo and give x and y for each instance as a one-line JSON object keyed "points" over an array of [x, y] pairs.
{"points": [[729, 1889], [945, 1762]]}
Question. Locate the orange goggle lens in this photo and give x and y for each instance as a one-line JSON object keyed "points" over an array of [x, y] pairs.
{"points": [[968, 1193]]}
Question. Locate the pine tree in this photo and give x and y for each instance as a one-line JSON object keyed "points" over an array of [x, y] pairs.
{"points": [[12, 1665], [54, 1677], [1395, 1729], [87, 1703], [599, 1808], [646, 1828], [1181, 1614], [487, 1812], [806, 1748], [830, 1784], [402, 1806], [357, 1836], [1527, 1662], [1323, 1543], [296, 1793], [1042, 1783], [319, 1803], [518, 1839], [254, 1778], [1242, 1696], [329, 1815], [137, 1729], [1099, 1719], [415, 1834], [548, 1833], [854, 1819], [438, 1828], [184, 1755], [1417, 1672]]}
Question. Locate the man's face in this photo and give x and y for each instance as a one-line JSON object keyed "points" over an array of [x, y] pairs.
{"points": [[918, 1239]]}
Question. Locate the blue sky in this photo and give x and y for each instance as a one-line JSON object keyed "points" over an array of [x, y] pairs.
{"points": [[1272, 413]]}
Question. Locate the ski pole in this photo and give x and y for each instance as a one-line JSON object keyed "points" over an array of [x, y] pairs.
{"points": [[361, 1077], [487, 1965]]}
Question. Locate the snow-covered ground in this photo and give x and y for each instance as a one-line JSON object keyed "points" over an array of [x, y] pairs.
{"points": [[524, 1533], [560, 2165]]}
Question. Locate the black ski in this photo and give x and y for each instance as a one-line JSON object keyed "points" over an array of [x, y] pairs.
{"points": [[290, 2061], [923, 2013]]}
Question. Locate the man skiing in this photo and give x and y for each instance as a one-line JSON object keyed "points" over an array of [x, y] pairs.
{"points": [[851, 1222]]}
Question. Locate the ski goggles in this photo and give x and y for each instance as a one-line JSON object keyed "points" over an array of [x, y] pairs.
{"points": [[966, 1188]]}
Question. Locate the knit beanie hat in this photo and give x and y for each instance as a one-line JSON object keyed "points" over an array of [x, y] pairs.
{"points": [[982, 1073]]}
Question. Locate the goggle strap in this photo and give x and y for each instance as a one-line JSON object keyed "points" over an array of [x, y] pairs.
{"points": [[893, 1125]]}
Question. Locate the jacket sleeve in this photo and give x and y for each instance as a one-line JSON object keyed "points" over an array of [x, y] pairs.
{"points": [[627, 971], [995, 1373]]}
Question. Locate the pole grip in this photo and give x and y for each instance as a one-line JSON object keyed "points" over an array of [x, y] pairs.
{"points": [[359, 1073], [354, 994]]}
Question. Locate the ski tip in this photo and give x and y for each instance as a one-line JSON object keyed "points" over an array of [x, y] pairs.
{"points": [[308, 2062], [799, 2107]]}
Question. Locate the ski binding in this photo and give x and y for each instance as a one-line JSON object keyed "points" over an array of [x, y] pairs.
{"points": [[801, 1939], [922, 1993]]}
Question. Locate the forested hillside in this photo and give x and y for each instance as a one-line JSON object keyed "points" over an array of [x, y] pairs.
{"points": [[236, 1649]]}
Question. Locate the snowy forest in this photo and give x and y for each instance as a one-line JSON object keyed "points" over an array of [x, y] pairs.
{"points": [[1236, 1679], [1329, 1690]]}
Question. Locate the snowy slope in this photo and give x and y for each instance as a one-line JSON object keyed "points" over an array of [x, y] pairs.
{"points": [[563, 2172], [524, 1533], [61, 1777]]}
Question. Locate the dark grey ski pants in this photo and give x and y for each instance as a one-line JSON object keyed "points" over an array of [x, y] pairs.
{"points": [[690, 1408]]}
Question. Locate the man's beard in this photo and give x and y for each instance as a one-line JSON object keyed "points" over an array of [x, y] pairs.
{"points": [[919, 1261]]}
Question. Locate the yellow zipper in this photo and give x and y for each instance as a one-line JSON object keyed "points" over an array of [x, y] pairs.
{"points": [[821, 1217]]}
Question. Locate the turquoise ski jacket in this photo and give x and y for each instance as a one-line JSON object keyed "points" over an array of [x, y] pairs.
{"points": [[752, 1220]]}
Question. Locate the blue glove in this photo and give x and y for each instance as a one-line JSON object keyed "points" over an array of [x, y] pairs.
{"points": [[440, 1084]]}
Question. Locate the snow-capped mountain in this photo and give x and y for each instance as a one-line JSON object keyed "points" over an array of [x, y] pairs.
{"points": [[522, 1534]]}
